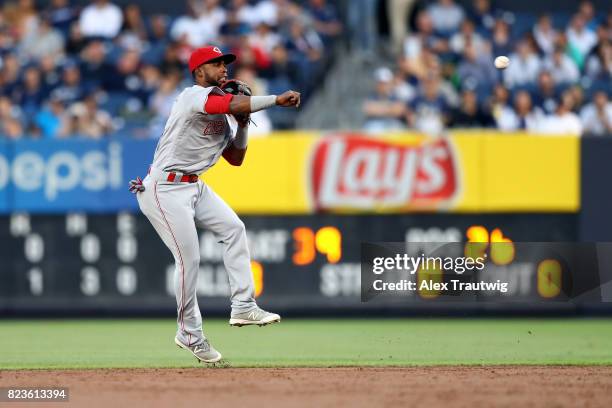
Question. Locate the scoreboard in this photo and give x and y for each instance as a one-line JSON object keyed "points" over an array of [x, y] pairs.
{"points": [[115, 263]]}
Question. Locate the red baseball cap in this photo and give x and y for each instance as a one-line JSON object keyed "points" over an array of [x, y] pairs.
{"points": [[208, 54]]}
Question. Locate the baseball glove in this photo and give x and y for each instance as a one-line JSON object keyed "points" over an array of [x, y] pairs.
{"points": [[238, 87]]}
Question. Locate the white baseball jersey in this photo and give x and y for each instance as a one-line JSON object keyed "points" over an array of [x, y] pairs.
{"points": [[193, 140]]}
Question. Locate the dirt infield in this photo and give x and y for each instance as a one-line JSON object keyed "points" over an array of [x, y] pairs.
{"points": [[289, 387]]}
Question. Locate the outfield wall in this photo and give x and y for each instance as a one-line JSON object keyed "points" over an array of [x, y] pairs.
{"points": [[74, 242], [306, 173]]}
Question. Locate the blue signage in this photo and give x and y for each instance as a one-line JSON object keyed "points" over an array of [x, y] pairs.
{"points": [[51, 176], [5, 175]]}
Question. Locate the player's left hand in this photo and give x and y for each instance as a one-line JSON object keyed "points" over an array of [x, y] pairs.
{"points": [[136, 186]]}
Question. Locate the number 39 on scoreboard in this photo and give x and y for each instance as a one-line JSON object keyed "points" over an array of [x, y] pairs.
{"points": [[308, 242]]}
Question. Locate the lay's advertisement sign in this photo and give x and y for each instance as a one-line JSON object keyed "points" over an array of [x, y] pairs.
{"points": [[357, 172]]}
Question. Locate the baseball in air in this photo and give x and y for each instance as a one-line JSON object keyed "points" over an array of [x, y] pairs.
{"points": [[502, 62]]}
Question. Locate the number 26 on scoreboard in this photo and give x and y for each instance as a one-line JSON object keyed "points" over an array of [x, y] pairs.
{"points": [[326, 241]]}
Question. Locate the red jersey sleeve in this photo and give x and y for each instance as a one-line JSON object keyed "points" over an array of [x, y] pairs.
{"points": [[216, 104]]}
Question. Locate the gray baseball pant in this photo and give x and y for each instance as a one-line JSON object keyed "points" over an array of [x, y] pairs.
{"points": [[175, 210]]}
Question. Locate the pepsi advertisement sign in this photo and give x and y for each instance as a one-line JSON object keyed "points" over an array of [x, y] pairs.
{"points": [[50, 176]]}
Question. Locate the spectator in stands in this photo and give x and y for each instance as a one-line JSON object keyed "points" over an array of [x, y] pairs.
{"points": [[597, 115], [211, 17], [133, 34], [76, 40], [401, 89], [11, 128], [124, 75], [288, 13], [545, 34], [603, 34], [93, 64], [9, 75], [475, 69], [157, 39], [570, 50], [325, 19], [382, 110], [608, 26], [250, 55], [428, 112], [524, 68], [417, 68], [49, 73], [89, 121], [10, 119], [43, 41], [502, 41], [149, 81], [546, 96], [468, 36], [446, 16], [564, 121], [305, 41], [305, 49], [72, 89], [101, 19], [160, 103], [61, 16], [580, 37], [561, 67], [587, 12], [158, 33], [268, 11], [281, 68], [423, 38], [483, 15], [264, 38], [52, 120], [577, 95], [522, 117], [599, 64], [244, 12], [7, 42], [22, 17], [188, 29], [233, 28], [498, 101], [171, 60], [31, 93], [470, 114]]}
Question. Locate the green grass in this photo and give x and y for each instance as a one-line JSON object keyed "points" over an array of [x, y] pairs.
{"points": [[397, 342]]}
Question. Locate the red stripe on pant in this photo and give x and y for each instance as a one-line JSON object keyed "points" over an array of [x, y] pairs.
{"points": [[182, 309]]}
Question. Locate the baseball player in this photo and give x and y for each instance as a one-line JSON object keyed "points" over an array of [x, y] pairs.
{"points": [[176, 201]]}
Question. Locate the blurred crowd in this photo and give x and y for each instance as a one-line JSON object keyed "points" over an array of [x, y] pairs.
{"points": [[559, 80], [100, 70]]}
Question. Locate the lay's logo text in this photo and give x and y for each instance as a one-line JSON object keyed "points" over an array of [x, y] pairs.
{"points": [[362, 173]]}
